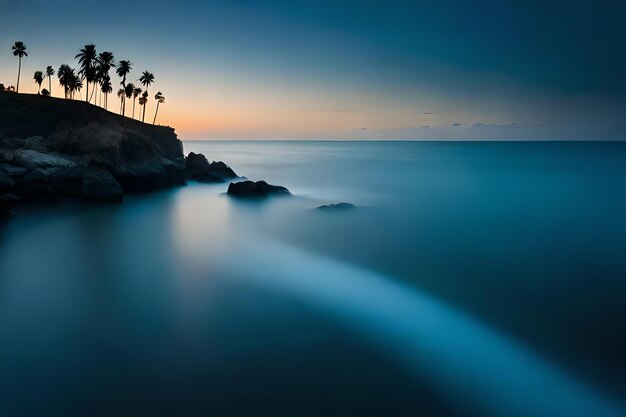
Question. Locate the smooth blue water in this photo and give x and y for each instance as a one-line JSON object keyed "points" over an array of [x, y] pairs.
{"points": [[472, 279]]}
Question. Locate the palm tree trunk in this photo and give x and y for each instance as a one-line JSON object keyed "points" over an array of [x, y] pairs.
{"points": [[19, 69], [134, 100], [49, 86], [155, 113], [87, 92], [144, 113]]}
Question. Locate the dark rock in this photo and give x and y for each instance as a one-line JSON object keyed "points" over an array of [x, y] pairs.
{"points": [[5, 210], [13, 171], [11, 143], [7, 155], [35, 159], [222, 171], [150, 174], [48, 146], [7, 201], [34, 191], [259, 189], [200, 170], [337, 207], [6, 182], [36, 143], [100, 185], [197, 164]]}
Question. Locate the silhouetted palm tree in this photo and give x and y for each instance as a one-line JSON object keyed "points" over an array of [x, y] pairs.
{"points": [[143, 100], [104, 63], [86, 59], [121, 94], [49, 74], [75, 84], [123, 69], [38, 77], [146, 79], [106, 87], [19, 50], [160, 98], [65, 74], [136, 93], [128, 90]]}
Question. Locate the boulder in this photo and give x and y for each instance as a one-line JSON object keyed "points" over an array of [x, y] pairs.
{"points": [[197, 164], [7, 155], [30, 158], [11, 143], [36, 143], [100, 185], [12, 171], [336, 207], [259, 189], [220, 170], [199, 169]]}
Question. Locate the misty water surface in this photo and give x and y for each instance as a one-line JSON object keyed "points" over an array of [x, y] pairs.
{"points": [[471, 279]]}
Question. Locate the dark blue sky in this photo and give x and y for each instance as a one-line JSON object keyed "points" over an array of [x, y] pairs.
{"points": [[399, 69]]}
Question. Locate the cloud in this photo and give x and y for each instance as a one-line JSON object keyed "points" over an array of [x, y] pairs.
{"points": [[480, 125], [360, 128], [456, 124]]}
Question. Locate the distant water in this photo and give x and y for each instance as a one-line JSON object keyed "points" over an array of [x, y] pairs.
{"points": [[472, 279]]}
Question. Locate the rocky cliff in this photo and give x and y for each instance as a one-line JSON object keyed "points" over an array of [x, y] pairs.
{"points": [[53, 148]]}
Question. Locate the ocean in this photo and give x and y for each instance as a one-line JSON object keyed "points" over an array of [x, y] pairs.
{"points": [[471, 279]]}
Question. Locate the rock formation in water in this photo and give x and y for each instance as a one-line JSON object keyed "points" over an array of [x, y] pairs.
{"points": [[259, 189], [200, 170], [52, 148], [336, 207]]}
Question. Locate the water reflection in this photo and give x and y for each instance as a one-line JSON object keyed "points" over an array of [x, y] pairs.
{"points": [[463, 357]]}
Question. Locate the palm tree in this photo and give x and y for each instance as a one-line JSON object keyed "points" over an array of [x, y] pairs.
{"points": [[128, 90], [86, 59], [160, 98], [75, 84], [146, 79], [49, 74], [104, 63], [65, 74], [123, 69], [143, 100], [106, 87], [121, 94], [19, 50], [136, 93], [38, 77]]}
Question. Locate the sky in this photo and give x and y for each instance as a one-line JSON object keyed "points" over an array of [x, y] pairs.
{"points": [[362, 70]]}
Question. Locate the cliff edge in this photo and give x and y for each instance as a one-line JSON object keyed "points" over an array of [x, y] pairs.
{"points": [[52, 148]]}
